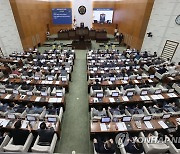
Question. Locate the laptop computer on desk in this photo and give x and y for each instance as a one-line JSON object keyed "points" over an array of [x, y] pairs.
{"points": [[167, 122], [100, 96], [127, 121]]}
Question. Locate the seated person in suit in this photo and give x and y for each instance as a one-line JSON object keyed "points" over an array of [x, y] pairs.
{"points": [[63, 72], [145, 84], [145, 54], [104, 147], [138, 56], [162, 70], [171, 68], [135, 109], [178, 67], [45, 134], [99, 112], [51, 110], [155, 54], [26, 87], [170, 107], [19, 108], [134, 147], [10, 108], [96, 86], [158, 61], [129, 85], [14, 71], [19, 135], [130, 71], [25, 73], [33, 110], [155, 109], [120, 110], [38, 72], [30, 73]]}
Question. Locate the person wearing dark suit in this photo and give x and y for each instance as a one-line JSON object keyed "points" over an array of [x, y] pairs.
{"points": [[96, 86], [162, 70], [102, 18], [144, 85], [129, 85], [45, 134], [104, 147], [121, 38], [19, 135]]}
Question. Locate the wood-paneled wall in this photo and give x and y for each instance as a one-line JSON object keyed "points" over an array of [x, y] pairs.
{"points": [[55, 28], [31, 17], [132, 17]]}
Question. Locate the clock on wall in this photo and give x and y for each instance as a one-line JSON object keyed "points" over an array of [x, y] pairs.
{"points": [[82, 10], [177, 20]]}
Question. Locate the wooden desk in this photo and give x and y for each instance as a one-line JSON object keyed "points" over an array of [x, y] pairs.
{"points": [[19, 63], [171, 80], [32, 99], [34, 127], [38, 82], [95, 126], [5, 70], [121, 83], [135, 99], [29, 56]]}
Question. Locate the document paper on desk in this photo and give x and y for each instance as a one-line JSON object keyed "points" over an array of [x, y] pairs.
{"points": [[57, 82], [155, 97], [172, 95], [136, 81], [121, 126], [37, 99], [148, 124], [5, 79], [124, 81], [111, 100], [163, 125], [150, 80], [7, 96], [4, 122], [125, 98], [52, 100], [109, 82], [160, 96], [59, 100], [103, 127], [143, 98]]}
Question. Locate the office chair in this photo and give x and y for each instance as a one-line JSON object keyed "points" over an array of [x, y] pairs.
{"points": [[97, 117], [161, 76], [139, 90], [151, 148], [115, 115], [10, 147], [94, 92], [44, 149], [176, 87], [4, 143], [38, 93], [172, 147], [146, 67], [109, 92]]}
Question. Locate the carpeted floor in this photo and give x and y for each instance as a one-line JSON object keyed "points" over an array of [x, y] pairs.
{"points": [[75, 134]]}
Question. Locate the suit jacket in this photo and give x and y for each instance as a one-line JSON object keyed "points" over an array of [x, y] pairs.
{"points": [[99, 147], [19, 136]]}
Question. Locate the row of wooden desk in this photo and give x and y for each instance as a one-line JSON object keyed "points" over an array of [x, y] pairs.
{"points": [[95, 127], [19, 63], [107, 101]]}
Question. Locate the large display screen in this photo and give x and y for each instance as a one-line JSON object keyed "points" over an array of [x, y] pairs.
{"points": [[62, 15], [102, 15]]}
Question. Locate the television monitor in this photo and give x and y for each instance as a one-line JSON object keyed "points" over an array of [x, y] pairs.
{"points": [[158, 91], [126, 119], [11, 116], [171, 90], [147, 118], [102, 15], [51, 119], [166, 116], [64, 79], [151, 76], [29, 93], [139, 77], [130, 93], [15, 92], [112, 79], [36, 77], [31, 118], [59, 94], [43, 93], [115, 94], [100, 95], [105, 119], [144, 92]]}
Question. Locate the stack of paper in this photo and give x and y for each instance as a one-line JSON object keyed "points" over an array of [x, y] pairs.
{"points": [[57, 82], [172, 95], [160, 96], [37, 99], [24, 124], [163, 125], [109, 82], [59, 100], [103, 127], [125, 98], [143, 98], [121, 126], [155, 97], [52, 100], [111, 99], [148, 124]]}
